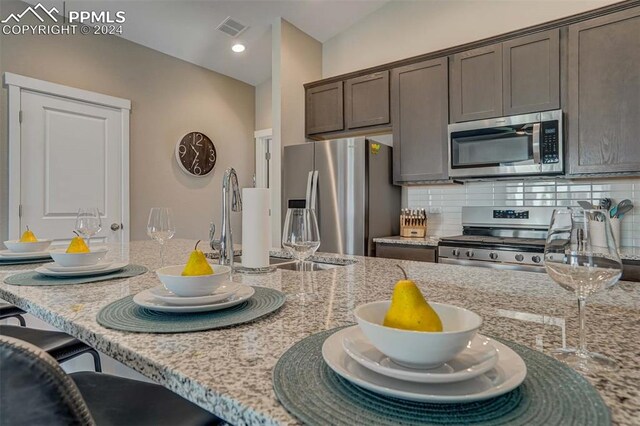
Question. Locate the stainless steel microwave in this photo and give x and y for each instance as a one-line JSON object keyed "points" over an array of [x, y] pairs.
{"points": [[529, 144]]}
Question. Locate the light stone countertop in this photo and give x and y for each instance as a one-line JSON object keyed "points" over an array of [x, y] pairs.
{"points": [[228, 371]]}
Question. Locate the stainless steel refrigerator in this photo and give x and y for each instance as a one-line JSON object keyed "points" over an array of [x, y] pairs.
{"points": [[349, 183]]}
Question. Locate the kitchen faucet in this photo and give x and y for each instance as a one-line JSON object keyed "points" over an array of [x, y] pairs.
{"points": [[225, 244]]}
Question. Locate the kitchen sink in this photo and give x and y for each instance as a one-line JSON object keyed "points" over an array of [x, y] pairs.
{"points": [[282, 261]]}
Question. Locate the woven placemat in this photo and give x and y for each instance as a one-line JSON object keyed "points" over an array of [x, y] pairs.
{"points": [[552, 394], [125, 315], [24, 261], [33, 278]]}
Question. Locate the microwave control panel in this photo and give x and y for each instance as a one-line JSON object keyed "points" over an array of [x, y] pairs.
{"points": [[550, 146]]}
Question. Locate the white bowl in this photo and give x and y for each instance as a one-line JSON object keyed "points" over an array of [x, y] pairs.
{"points": [[78, 259], [17, 247], [197, 285], [419, 349]]}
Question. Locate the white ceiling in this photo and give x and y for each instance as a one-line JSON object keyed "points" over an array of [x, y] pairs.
{"points": [[185, 29]]}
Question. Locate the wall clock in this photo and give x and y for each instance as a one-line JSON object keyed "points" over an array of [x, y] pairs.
{"points": [[196, 154]]}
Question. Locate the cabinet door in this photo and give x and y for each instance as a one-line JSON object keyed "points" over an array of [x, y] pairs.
{"points": [[604, 94], [367, 100], [324, 108], [476, 84], [419, 104], [531, 73]]}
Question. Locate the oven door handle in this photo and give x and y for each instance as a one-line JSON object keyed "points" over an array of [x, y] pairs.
{"points": [[535, 138]]}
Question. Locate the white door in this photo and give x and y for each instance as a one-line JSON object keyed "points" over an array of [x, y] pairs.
{"points": [[70, 157]]}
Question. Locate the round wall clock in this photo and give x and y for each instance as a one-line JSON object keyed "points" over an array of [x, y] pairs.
{"points": [[196, 154]]}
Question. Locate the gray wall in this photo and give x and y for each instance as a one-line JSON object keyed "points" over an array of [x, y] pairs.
{"points": [[263, 105], [169, 98]]}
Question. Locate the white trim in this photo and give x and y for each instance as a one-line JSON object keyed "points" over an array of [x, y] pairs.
{"points": [[264, 133], [261, 136], [11, 79], [14, 161], [15, 83]]}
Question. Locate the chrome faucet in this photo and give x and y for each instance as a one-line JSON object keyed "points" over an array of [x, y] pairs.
{"points": [[225, 244]]}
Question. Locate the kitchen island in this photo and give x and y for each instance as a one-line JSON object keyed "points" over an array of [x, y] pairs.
{"points": [[228, 371]]}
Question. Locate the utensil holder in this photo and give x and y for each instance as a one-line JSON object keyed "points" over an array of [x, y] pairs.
{"points": [[598, 235]]}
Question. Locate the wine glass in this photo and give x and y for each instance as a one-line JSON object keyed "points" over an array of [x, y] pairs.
{"points": [[300, 235], [581, 256], [160, 227], [88, 223]]}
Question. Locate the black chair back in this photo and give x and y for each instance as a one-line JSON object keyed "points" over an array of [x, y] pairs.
{"points": [[34, 390]]}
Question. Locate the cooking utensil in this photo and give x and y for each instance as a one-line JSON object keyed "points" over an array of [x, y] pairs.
{"points": [[623, 207], [605, 203], [585, 205]]}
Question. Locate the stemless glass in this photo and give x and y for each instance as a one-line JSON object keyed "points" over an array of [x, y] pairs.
{"points": [[300, 235], [581, 256], [88, 223], [160, 228]]}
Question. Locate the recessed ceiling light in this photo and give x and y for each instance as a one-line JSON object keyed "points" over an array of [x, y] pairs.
{"points": [[238, 47]]}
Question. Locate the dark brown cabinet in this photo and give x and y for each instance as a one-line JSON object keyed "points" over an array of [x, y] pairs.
{"points": [[476, 84], [518, 76], [324, 109], [406, 252], [366, 100], [420, 105], [604, 94], [531, 73]]}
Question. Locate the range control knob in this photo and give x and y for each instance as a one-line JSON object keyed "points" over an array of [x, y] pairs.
{"points": [[493, 255], [455, 252], [536, 259], [469, 253], [519, 257]]}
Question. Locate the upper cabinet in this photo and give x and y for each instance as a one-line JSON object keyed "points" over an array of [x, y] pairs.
{"points": [[366, 100], [476, 84], [363, 104], [604, 94], [324, 109], [420, 105], [518, 76], [531, 73]]}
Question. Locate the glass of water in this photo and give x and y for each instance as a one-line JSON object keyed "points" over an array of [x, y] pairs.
{"points": [[160, 227], [88, 223], [582, 257], [300, 235]]}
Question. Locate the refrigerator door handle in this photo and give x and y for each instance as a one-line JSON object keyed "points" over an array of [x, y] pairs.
{"points": [[314, 190], [308, 195]]}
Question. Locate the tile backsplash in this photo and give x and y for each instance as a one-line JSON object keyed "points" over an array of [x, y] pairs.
{"points": [[448, 200]]}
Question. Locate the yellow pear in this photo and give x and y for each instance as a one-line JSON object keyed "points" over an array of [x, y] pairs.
{"points": [[197, 264], [77, 245], [28, 237], [409, 310]]}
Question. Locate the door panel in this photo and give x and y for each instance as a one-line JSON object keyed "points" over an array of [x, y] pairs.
{"points": [[71, 157], [476, 84], [324, 108], [341, 195], [532, 73], [298, 162], [367, 100]]}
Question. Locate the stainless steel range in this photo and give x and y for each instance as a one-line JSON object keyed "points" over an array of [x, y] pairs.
{"points": [[499, 237]]}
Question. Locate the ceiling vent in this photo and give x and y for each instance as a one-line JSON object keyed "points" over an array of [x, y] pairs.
{"points": [[231, 27]]}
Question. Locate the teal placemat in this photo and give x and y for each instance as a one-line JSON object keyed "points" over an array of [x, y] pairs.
{"points": [[24, 261], [125, 315], [552, 394], [33, 278]]}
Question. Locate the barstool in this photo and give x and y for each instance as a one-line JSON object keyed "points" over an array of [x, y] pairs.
{"points": [[59, 345], [34, 390]]}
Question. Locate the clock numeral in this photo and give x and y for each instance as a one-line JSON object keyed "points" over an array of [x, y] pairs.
{"points": [[197, 139], [197, 170], [212, 155], [182, 150]]}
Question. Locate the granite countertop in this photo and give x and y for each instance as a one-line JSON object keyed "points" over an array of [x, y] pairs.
{"points": [[626, 253], [228, 371], [426, 241]]}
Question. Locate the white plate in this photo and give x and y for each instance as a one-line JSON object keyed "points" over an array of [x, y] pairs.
{"points": [[146, 299], [508, 374], [114, 267], [479, 357], [56, 267], [9, 255], [223, 292]]}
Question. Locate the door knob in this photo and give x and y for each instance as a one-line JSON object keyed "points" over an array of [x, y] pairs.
{"points": [[115, 226]]}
